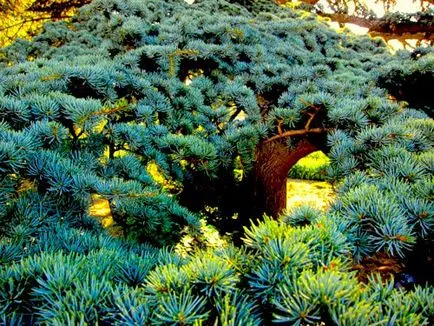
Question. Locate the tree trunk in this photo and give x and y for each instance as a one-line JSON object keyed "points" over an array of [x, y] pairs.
{"points": [[273, 162], [262, 191]]}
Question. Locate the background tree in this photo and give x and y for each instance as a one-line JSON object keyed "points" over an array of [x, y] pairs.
{"points": [[393, 25], [24, 18]]}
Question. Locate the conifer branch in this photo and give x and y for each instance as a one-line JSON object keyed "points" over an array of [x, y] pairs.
{"points": [[311, 117], [279, 127], [110, 110], [300, 132], [105, 111], [133, 195], [179, 52]]}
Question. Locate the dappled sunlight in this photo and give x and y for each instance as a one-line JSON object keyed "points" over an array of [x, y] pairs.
{"points": [[318, 194], [378, 8], [100, 209], [129, 195]]}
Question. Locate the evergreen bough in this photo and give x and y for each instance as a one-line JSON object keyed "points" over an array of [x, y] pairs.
{"points": [[283, 273]]}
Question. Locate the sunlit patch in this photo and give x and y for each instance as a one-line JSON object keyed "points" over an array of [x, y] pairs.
{"points": [[318, 194], [158, 176], [100, 126], [193, 74], [156, 173], [100, 209], [26, 185], [239, 169], [241, 116], [311, 167], [356, 29]]}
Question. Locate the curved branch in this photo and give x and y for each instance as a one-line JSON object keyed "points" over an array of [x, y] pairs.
{"points": [[382, 26], [31, 20], [311, 116], [24, 22], [300, 132]]}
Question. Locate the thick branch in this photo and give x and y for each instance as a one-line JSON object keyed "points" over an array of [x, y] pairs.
{"points": [[383, 26], [272, 163], [343, 18], [300, 132], [405, 36]]}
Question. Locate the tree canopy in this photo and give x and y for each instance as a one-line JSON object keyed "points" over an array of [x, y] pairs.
{"points": [[201, 92], [198, 97], [24, 18]]}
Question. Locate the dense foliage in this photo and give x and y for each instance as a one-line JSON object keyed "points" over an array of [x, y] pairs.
{"points": [[284, 273], [88, 106], [411, 82]]}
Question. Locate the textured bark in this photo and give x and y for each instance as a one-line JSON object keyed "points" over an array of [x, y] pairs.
{"points": [[273, 162]]}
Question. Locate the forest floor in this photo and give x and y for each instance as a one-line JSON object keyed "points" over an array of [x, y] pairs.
{"points": [[318, 194]]}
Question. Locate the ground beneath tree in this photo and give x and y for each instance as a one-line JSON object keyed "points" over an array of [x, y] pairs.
{"points": [[318, 194]]}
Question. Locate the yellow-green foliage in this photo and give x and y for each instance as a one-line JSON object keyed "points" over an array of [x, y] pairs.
{"points": [[16, 21], [318, 194], [311, 167]]}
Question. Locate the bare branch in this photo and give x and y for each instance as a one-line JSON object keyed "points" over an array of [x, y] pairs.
{"points": [[300, 132], [24, 22], [235, 114], [279, 127], [380, 26]]}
